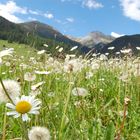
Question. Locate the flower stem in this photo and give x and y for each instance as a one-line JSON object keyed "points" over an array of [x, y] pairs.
{"points": [[4, 126], [25, 131], [65, 111]]}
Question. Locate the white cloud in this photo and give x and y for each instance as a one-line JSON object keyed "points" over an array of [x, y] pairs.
{"points": [[61, 21], [9, 10], [92, 4], [116, 35], [34, 12], [58, 20], [70, 19], [49, 15], [131, 9], [31, 18]]}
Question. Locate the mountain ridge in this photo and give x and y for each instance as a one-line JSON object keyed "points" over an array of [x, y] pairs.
{"points": [[36, 34], [94, 38]]}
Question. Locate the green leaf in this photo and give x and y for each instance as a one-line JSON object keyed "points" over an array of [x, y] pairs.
{"points": [[110, 132]]}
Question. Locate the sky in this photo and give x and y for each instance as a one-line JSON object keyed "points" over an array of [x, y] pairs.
{"points": [[77, 17]]}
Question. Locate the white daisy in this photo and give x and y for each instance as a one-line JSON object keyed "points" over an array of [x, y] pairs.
{"points": [[60, 49], [111, 48], [57, 47], [6, 52], [0, 61], [74, 48], [43, 72], [24, 106], [138, 48], [41, 52], [126, 51], [45, 45], [36, 86]]}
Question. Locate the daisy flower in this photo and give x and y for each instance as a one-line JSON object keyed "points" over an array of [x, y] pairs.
{"points": [[126, 51], [41, 52], [36, 86], [45, 45], [24, 106], [43, 72], [74, 48], [60, 50], [6, 52], [111, 48], [138, 48]]}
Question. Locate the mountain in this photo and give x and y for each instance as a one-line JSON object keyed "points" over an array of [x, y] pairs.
{"points": [[124, 42], [36, 34], [93, 38], [46, 31], [9, 30]]}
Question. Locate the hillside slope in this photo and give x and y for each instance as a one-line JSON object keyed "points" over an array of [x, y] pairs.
{"points": [[36, 34]]}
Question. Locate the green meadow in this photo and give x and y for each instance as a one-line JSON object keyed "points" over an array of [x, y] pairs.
{"points": [[81, 98]]}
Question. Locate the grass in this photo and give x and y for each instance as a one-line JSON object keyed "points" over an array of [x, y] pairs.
{"points": [[101, 115]]}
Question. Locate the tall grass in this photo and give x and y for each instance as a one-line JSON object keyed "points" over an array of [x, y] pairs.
{"points": [[100, 115]]}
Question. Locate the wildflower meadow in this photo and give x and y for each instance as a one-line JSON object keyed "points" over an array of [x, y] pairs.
{"points": [[76, 98]]}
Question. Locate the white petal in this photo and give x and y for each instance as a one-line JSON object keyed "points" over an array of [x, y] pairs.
{"points": [[23, 98], [17, 100], [35, 108], [11, 113], [36, 103], [25, 117], [9, 105], [17, 115], [34, 112], [33, 100]]}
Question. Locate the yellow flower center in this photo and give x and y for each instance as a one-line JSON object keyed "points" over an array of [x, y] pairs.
{"points": [[23, 107]]}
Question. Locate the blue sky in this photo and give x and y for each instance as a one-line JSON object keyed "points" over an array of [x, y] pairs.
{"points": [[77, 17]]}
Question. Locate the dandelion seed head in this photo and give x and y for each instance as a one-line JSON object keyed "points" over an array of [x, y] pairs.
{"points": [[7, 64], [74, 65], [29, 76], [126, 51], [13, 89], [78, 91], [39, 133], [126, 100], [103, 57]]}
